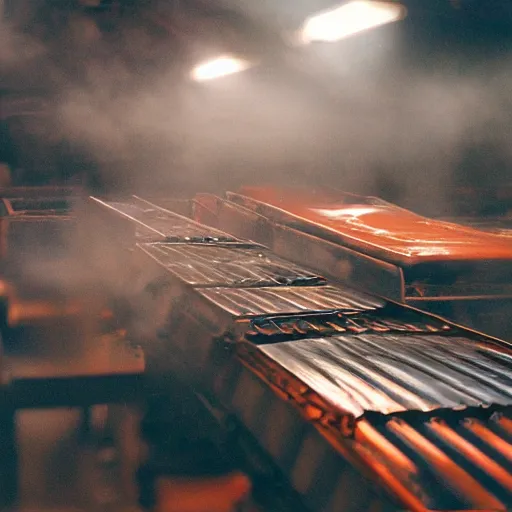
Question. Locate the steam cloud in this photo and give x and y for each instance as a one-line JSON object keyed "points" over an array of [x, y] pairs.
{"points": [[354, 116], [16, 48], [351, 116]]}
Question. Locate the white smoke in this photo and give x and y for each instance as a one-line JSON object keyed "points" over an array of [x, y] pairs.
{"points": [[350, 115]]}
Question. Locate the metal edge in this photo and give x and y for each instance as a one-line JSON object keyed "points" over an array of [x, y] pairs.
{"points": [[343, 265]]}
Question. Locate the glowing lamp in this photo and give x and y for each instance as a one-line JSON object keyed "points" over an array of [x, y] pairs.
{"points": [[349, 19], [218, 68]]}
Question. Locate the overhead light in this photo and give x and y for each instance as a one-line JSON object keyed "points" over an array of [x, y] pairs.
{"points": [[350, 18], [219, 67]]}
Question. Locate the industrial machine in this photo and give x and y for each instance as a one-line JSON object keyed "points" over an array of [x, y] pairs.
{"points": [[297, 341], [348, 401], [35, 225], [58, 351], [451, 270]]}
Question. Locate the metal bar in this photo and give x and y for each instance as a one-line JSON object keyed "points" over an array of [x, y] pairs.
{"points": [[74, 391], [476, 456], [23, 312], [40, 192], [8, 456], [457, 477]]}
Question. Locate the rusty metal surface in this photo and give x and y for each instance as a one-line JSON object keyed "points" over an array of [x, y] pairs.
{"points": [[394, 373], [208, 265], [99, 356], [67, 366]]}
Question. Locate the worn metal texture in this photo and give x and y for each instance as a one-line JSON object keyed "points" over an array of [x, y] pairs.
{"points": [[385, 321], [443, 460], [288, 300], [396, 373], [50, 206], [349, 394], [460, 291], [326, 473], [339, 263], [217, 265]]}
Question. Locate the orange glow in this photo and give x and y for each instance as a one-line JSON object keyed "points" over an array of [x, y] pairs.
{"points": [[384, 229], [220, 494], [471, 452], [458, 478], [490, 438]]}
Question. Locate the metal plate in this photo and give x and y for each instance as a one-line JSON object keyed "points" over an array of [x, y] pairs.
{"points": [[397, 373], [291, 300], [164, 223], [214, 265], [461, 461]]}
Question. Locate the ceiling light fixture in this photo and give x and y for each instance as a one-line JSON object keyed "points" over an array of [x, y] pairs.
{"points": [[350, 18], [219, 67]]}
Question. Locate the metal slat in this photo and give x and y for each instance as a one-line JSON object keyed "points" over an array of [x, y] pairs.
{"points": [[214, 265], [390, 374]]}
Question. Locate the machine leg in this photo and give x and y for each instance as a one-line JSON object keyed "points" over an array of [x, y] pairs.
{"points": [[8, 458]]}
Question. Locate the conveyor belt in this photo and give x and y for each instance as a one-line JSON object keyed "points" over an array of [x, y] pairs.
{"points": [[395, 373], [420, 464], [287, 300], [464, 276], [342, 390], [239, 266], [167, 225]]}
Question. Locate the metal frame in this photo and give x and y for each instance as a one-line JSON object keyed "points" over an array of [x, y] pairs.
{"points": [[351, 267], [342, 264], [29, 382]]}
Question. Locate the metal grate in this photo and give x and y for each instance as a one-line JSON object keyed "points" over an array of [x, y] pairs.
{"points": [[291, 300], [214, 265], [168, 225], [385, 321]]}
